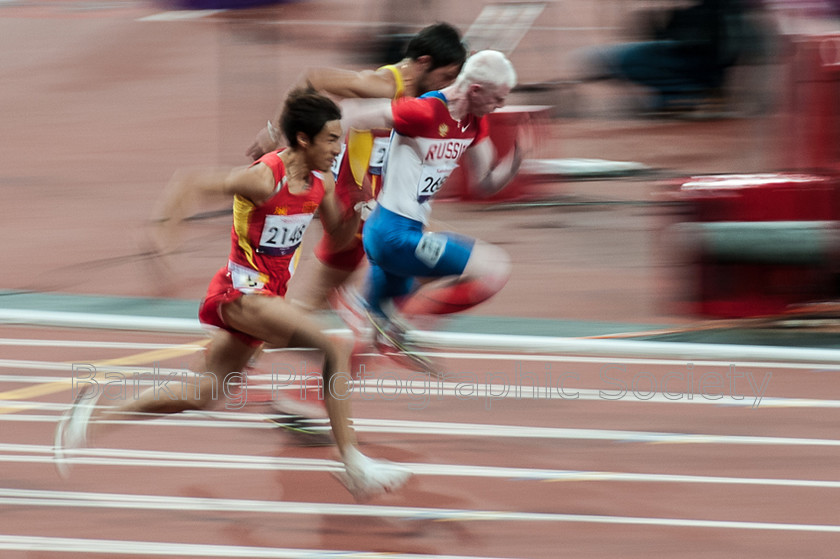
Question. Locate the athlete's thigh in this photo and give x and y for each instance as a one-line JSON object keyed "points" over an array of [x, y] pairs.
{"points": [[487, 260], [271, 319], [430, 254]]}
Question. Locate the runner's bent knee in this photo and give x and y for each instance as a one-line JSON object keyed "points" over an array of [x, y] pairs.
{"points": [[489, 263]]}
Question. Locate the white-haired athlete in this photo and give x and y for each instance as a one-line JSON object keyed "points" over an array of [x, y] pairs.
{"points": [[430, 136]]}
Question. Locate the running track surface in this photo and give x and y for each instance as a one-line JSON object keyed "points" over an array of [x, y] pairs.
{"points": [[501, 469], [514, 455]]}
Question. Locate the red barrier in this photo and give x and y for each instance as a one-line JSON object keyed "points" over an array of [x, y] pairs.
{"points": [[742, 287], [761, 197], [728, 287]]}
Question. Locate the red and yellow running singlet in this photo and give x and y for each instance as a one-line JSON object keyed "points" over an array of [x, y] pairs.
{"points": [[266, 237]]}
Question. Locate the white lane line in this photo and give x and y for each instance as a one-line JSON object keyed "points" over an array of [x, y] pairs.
{"points": [[149, 502], [475, 430], [180, 15], [26, 342], [58, 366], [169, 549], [608, 359], [489, 430], [124, 457], [619, 349], [624, 349], [27, 379], [420, 389], [529, 357], [535, 357]]}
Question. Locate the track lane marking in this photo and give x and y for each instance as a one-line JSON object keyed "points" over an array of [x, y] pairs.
{"points": [[164, 459], [170, 549], [171, 503], [150, 356], [474, 430]]}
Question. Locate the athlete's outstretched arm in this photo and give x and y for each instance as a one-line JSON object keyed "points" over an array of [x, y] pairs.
{"points": [[346, 84], [184, 192], [366, 114], [190, 187], [493, 174]]}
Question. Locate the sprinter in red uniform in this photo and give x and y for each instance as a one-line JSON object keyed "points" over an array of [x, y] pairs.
{"points": [[274, 201]]}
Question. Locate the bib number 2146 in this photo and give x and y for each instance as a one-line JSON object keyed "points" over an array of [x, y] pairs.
{"points": [[282, 234]]}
